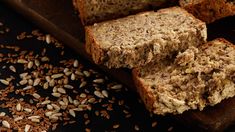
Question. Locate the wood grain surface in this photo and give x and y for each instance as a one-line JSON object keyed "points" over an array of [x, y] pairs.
{"points": [[59, 19]]}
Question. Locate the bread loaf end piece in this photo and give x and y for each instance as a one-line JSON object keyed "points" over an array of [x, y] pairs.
{"points": [[209, 10]]}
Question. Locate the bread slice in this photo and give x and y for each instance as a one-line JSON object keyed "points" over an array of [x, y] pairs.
{"points": [[194, 79], [93, 11], [209, 10], [135, 40]]}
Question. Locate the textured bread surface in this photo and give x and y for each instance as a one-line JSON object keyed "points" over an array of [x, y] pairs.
{"points": [[136, 40], [93, 11], [194, 79], [209, 10]]}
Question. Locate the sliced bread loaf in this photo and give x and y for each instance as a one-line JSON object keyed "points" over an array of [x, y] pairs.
{"points": [[92, 11], [209, 10], [196, 78], [135, 40]]}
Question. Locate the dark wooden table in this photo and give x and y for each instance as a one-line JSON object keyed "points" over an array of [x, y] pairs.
{"points": [[59, 19]]}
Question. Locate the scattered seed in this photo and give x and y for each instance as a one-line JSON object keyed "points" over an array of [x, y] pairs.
{"points": [[56, 94], [83, 95], [33, 117], [154, 124], [57, 114], [27, 127], [18, 107], [45, 85], [75, 63], [98, 80], [5, 82], [44, 59], [116, 126], [49, 107], [2, 114], [48, 38], [68, 86], [27, 87], [52, 83], [36, 96], [91, 100], [28, 110], [118, 86], [36, 81], [18, 118], [49, 113], [72, 113], [83, 84], [137, 128], [61, 90], [46, 102], [72, 76], [23, 82], [35, 120], [70, 99], [6, 124], [37, 63], [22, 61], [30, 65], [54, 76], [105, 93], [98, 94], [86, 73], [56, 107], [12, 68]]}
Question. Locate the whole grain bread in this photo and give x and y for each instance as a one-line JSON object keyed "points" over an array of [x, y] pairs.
{"points": [[196, 78], [93, 11], [136, 40], [209, 10]]}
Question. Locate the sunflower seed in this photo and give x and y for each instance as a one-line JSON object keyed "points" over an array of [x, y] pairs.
{"points": [[56, 94], [27, 87], [55, 89], [86, 73], [30, 82], [30, 65], [18, 107], [58, 75], [78, 109], [49, 107], [70, 99], [36, 81], [52, 83], [98, 94], [83, 95], [22, 61], [76, 102], [2, 114], [98, 80], [46, 102], [18, 118], [118, 86], [57, 114], [48, 78], [23, 75], [91, 100], [68, 73], [12, 68], [62, 103], [45, 85], [66, 101], [83, 84], [48, 38], [56, 107], [66, 70], [35, 120], [77, 72], [5, 82], [68, 86], [44, 59], [75, 63], [61, 90], [49, 113], [37, 63], [54, 118], [28, 110], [72, 113], [26, 128], [72, 77], [36, 96], [23, 82], [6, 124], [34, 117], [105, 93]]}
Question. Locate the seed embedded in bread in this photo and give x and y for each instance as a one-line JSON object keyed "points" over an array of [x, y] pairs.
{"points": [[195, 79], [136, 40]]}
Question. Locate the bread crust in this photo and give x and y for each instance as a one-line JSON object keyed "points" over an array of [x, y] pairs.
{"points": [[209, 10], [80, 6], [141, 54]]}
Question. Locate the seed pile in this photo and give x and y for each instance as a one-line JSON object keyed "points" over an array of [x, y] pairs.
{"points": [[39, 93]]}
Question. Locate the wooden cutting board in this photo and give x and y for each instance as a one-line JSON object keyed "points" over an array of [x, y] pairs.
{"points": [[58, 18]]}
